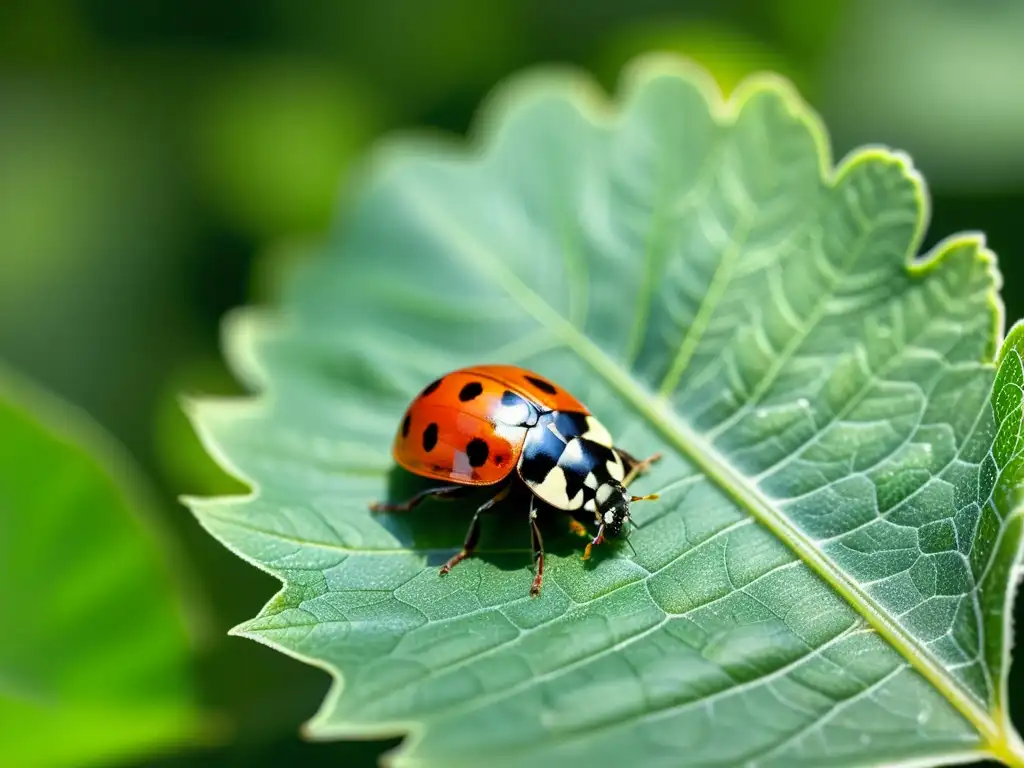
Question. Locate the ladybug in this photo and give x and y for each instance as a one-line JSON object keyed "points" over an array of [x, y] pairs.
{"points": [[501, 425]]}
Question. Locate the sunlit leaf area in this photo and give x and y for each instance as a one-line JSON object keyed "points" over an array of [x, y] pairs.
{"points": [[254, 255]]}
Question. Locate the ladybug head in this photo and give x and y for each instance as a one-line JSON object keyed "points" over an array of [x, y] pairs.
{"points": [[614, 501], [614, 510]]}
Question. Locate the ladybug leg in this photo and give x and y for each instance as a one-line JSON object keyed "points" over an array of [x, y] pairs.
{"points": [[441, 492], [636, 466], [597, 541], [537, 543], [473, 534]]}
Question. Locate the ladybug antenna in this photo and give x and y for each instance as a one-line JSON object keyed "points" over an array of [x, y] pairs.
{"points": [[648, 497]]}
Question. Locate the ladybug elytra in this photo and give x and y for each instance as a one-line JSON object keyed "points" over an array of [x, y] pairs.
{"points": [[497, 425]]}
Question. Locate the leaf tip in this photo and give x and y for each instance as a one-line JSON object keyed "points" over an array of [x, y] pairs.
{"points": [[241, 330], [970, 246], [787, 97], [241, 630]]}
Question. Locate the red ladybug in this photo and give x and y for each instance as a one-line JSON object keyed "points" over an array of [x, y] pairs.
{"points": [[496, 425]]}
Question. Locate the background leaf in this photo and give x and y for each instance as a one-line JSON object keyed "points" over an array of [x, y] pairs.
{"points": [[890, 88], [826, 576], [95, 651]]}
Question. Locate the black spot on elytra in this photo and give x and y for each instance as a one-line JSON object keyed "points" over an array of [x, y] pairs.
{"points": [[542, 385], [470, 391], [499, 460], [406, 423], [430, 437], [477, 452], [432, 386]]}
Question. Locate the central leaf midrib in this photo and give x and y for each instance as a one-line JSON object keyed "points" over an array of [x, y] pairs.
{"points": [[721, 472], [705, 457]]}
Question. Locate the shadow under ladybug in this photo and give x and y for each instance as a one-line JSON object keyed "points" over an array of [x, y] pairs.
{"points": [[433, 524]]}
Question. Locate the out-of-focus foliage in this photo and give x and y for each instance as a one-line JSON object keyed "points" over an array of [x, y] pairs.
{"points": [[417, 56], [90, 244], [946, 78], [274, 138], [151, 153], [177, 447], [728, 54], [95, 652]]}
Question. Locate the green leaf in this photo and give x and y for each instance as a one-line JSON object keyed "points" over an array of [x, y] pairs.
{"points": [[827, 576], [95, 654]]}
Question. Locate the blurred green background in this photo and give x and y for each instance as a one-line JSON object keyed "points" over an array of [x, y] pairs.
{"points": [[160, 161]]}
